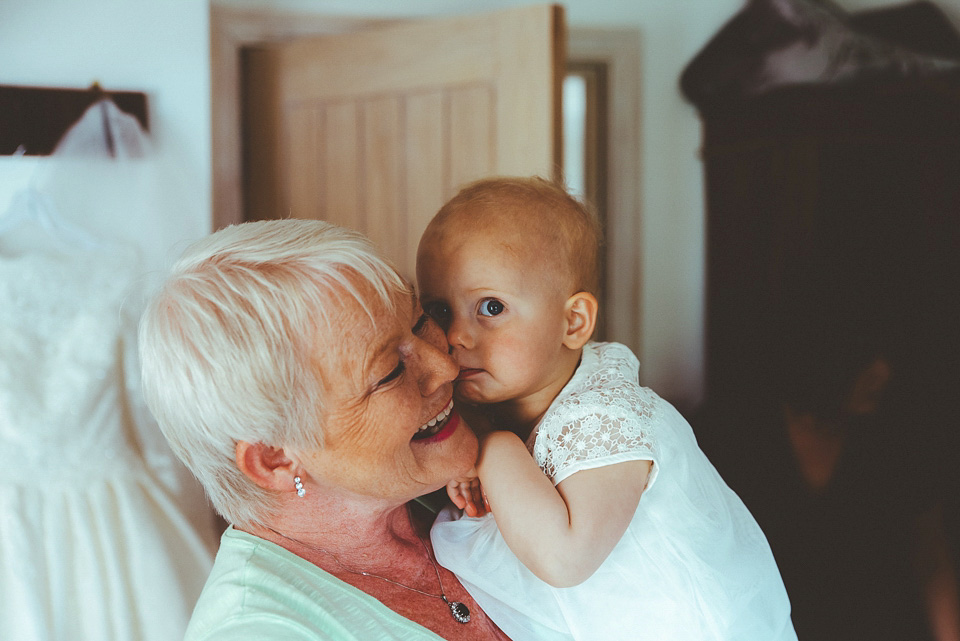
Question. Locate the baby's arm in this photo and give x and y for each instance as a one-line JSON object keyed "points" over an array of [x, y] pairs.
{"points": [[563, 533]]}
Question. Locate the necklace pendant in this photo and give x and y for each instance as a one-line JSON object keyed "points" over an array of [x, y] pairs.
{"points": [[459, 611]]}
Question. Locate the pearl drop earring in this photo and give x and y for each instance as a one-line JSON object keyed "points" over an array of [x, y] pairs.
{"points": [[299, 485]]}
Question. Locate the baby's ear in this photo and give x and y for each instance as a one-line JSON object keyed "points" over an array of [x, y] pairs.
{"points": [[580, 314]]}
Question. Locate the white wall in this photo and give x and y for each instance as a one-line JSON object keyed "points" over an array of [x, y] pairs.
{"points": [[161, 47]]}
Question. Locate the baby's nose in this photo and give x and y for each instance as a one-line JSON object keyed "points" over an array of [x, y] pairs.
{"points": [[459, 335]]}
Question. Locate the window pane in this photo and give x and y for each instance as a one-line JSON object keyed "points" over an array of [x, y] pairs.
{"points": [[574, 133]]}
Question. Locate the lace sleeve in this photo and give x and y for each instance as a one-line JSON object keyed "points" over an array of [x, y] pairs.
{"points": [[609, 420]]}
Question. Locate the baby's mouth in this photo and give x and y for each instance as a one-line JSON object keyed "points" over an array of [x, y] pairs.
{"points": [[434, 425], [468, 372]]}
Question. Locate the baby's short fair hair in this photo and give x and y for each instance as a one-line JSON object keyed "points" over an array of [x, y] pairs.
{"points": [[535, 217], [229, 345]]}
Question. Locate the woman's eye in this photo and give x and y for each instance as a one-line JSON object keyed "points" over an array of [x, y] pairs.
{"points": [[394, 373], [491, 307], [421, 324]]}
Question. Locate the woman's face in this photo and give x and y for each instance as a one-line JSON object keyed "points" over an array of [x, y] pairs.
{"points": [[389, 429]]}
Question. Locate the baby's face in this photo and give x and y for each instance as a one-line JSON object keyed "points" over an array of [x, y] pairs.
{"points": [[503, 315]]}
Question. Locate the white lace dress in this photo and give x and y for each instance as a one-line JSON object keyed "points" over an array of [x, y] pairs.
{"points": [[101, 536], [692, 566]]}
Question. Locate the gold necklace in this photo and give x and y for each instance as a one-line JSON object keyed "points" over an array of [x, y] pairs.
{"points": [[459, 611]]}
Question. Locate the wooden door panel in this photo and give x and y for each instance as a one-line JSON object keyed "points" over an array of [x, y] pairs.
{"points": [[395, 59], [301, 133], [425, 156], [340, 174], [472, 126], [374, 130], [380, 182]]}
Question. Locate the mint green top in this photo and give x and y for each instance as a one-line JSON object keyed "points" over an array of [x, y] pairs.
{"points": [[259, 591]]}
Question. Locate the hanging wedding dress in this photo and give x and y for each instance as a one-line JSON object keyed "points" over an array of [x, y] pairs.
{"points": [[103, 535]]}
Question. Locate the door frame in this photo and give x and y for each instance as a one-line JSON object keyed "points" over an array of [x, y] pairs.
{"points": [[232, 29], [618, 50]]}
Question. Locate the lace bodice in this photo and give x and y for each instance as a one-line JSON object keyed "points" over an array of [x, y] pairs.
{"points": [[63, 345], [601, 416]]}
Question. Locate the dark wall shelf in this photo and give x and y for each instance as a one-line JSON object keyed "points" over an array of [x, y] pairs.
{"points": [[32, 119]]}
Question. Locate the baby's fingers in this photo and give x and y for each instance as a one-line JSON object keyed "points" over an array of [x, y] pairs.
{"points": [[476, 500], [458, 498], [466, 489]]}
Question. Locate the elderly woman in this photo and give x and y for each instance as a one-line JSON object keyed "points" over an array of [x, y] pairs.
{"points": [[292, 370]]}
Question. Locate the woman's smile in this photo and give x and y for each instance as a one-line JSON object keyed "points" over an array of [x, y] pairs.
{"points": [[440, 430], [435, 424]]}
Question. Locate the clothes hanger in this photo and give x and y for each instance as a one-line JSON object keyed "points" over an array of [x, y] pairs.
{"points": [[101, 97]]}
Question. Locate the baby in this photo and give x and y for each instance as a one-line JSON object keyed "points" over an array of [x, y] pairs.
{"points": [[610, 523]]}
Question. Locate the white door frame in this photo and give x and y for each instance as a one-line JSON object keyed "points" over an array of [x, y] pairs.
{"points": [[619, 51]]}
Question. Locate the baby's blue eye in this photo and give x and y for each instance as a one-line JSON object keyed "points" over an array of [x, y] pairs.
{"points": [[491, 307]]}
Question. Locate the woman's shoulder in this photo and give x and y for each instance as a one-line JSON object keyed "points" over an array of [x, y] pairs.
{"points": [[260, 588], [251, 581]]}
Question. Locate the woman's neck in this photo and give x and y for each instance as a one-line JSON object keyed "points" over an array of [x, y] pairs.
{"points": [[381, 554], [337, 537]]}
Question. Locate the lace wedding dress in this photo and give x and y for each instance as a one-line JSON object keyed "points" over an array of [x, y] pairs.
{"points": [[693, 564], [101, 530]]}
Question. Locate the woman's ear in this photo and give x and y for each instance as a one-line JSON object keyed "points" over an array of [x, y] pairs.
{"points": [[269, 467], [580, 314]]}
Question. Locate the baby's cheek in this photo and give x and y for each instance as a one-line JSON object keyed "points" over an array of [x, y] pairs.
{"points": [[468, 392], [526, 353]]}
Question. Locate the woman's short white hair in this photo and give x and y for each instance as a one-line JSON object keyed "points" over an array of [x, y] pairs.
{"points": [[227, 345]]}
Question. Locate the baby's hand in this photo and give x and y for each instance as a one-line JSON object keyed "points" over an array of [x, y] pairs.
{"points": [[467, 494]]}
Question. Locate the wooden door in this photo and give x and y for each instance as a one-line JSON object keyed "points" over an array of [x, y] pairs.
{"points": [[374, 130]]}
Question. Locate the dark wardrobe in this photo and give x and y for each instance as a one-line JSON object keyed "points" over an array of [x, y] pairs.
{"points": [[833, 200], [831, 195]]}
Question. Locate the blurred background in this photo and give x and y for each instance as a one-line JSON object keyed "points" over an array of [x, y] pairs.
{"points": [[167, 50], [779, 180]]}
